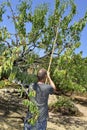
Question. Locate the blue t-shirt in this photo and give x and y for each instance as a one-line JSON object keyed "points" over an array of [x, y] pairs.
{"points": [[41, 99]]}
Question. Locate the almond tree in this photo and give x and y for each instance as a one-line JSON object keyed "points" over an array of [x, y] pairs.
{"points": [[41, 29]]}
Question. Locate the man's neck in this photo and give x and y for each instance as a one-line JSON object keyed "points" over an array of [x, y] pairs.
{"points": [[40, 82]]}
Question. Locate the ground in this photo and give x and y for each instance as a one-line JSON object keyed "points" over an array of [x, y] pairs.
{"points": [[12, 114]]}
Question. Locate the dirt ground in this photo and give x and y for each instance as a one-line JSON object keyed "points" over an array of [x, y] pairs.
{"points": [[12, 114]]}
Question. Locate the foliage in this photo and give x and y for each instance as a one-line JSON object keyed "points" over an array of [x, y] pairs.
{"points": [[4, 83], [36, 30], [69, 72], [31, 104], [65, 106], [23, 77]]}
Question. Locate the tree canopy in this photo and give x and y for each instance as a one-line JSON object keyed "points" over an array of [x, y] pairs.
{"points": [[37, 30]]}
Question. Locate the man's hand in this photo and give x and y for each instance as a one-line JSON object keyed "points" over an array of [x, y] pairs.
{"points": [[48, 75], [50, 81]]}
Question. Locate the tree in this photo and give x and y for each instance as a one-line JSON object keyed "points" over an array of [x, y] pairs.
{"points": [[21, 44]]}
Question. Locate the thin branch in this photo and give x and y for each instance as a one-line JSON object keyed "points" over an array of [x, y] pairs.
{"points": [[13, 16], [7, 44]]}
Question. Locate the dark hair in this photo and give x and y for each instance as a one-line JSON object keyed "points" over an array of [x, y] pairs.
{"points": [[41, 74]]}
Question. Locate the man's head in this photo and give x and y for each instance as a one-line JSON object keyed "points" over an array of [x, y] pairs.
{"points": [[41, 75]]}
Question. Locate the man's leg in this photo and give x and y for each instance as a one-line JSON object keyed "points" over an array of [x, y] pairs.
{"points": [[26, 126], [29, 127], [42, 125]]}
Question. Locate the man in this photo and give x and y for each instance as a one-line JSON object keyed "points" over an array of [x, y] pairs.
{"points": [[42, 93]]}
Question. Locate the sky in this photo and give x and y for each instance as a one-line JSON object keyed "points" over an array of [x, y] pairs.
{"points": [[81, 9]]}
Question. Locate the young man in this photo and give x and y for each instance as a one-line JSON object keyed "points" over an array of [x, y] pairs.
{"points": [[42, 93]]}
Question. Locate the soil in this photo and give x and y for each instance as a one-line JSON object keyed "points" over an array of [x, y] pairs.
{"points": [[12, 113]]}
